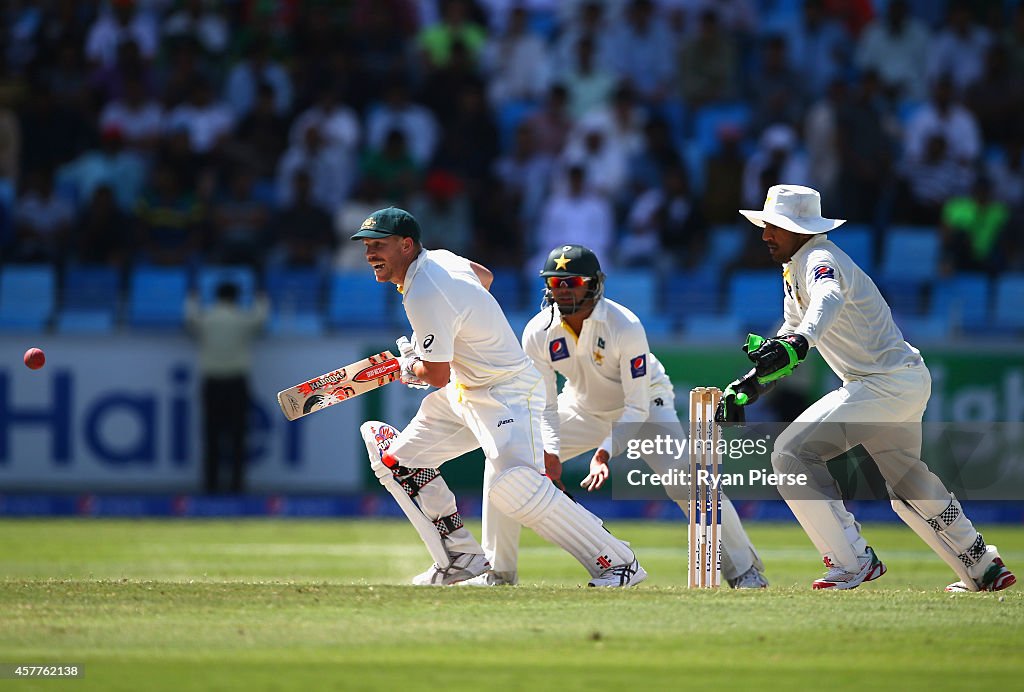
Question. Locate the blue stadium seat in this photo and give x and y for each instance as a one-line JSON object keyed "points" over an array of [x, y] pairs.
{"points": [[755, 299], [905, 297], [636, 290], [962, 300], [156, 297], [91, 298], [507, 289], [296, 324], [27, 296], [911, 253], [356, 300], [725, 243], [923, 329], [857, 241], [296, 291], [209, 278], [1009, 301], [692, 293]]}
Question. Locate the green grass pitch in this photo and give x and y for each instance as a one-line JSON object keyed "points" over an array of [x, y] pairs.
{"points": [[313, 605]]}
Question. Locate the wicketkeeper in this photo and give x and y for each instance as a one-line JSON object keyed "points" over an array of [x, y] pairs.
{"points": [[831, 304]]}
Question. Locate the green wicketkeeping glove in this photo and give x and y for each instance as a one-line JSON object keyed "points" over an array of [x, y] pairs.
{"points": [[776, 357]]}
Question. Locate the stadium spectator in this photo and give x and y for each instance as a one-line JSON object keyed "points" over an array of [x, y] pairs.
{"points": [[1006, 174], [708, 63], [238, 228], [867, 153], [590, 86], [641, 52], [973, 228], [209, 122], [42, 221], [443, 84], [337, 122], [928, 180], [123, 22], [997, 98], [469, 144], [391, 169], [330, 167], [442, 208], [1013, 39], [777, 150], [943, 115], [102, 234], [170, 221], [517, 62], [603, 159], [821, 133], [587, 22], [260, 139], [524, 174], [109, 164], [896, 46], [723, 176], [777, 92], [655, 151], [664, 226], [257, 67], [819, 48], [52, 133], [182, 68], [138, 117], [552, 123], [575, 214], [201, 20], [107, 82], [959, 48], [435, 41], [302, 232], [416, 123]]}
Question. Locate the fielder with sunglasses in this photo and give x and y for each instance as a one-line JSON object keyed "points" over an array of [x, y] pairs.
{"points": [[612, 378]]}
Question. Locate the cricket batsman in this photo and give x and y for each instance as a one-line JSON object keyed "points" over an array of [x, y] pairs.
{"points": [[488, 395]]}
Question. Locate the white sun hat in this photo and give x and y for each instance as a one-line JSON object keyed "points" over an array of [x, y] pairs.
{"points": [[794, 208]]}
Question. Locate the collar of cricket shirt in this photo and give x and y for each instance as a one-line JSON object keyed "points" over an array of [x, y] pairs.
{"points": [[800, 255], [410, 273]]}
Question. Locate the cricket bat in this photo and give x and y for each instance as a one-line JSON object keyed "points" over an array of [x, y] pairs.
{"points": [[339, 385]]}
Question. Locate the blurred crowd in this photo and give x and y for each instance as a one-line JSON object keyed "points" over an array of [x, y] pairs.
{"points": [[262, 132]]}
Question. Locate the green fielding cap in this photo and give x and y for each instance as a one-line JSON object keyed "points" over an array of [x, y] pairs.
{"points": [[386, 222]]}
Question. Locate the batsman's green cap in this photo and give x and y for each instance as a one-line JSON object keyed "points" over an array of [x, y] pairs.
{"points": [[390, 221]]}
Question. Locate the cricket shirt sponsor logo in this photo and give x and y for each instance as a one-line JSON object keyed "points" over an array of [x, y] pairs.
{"points": [[823, 271], [600, 342], [558, 350], [428, 342], [604, 562], [638, 366], [506, 421], [376, 372]]}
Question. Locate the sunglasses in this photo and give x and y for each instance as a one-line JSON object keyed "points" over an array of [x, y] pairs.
{"points": [[566, 281]]}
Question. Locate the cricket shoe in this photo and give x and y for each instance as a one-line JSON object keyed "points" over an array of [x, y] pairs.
{"points": [[996, 578], [751, 579], [620, 576], [464, 566], [492, 578], [838, 578]]}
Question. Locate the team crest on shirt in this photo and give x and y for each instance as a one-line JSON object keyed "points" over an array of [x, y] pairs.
{"points": [[823, 271], [638, 365], [558, 350]]}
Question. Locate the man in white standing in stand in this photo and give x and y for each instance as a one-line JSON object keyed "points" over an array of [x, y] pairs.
{"points": [[490, 396]]}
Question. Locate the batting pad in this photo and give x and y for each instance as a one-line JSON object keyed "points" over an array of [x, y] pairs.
{"points": [[950, 534], [531, 499], [422, 495]]}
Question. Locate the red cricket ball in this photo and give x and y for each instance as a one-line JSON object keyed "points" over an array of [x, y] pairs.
{"points": [[35, 358]]}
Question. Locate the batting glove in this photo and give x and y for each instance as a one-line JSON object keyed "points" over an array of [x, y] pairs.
{"points": [[406, 362], [776, 357]]}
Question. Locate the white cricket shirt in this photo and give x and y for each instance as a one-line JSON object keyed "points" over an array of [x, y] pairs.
{"points": [[837, 308], [608, 367], [455, 319]]}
